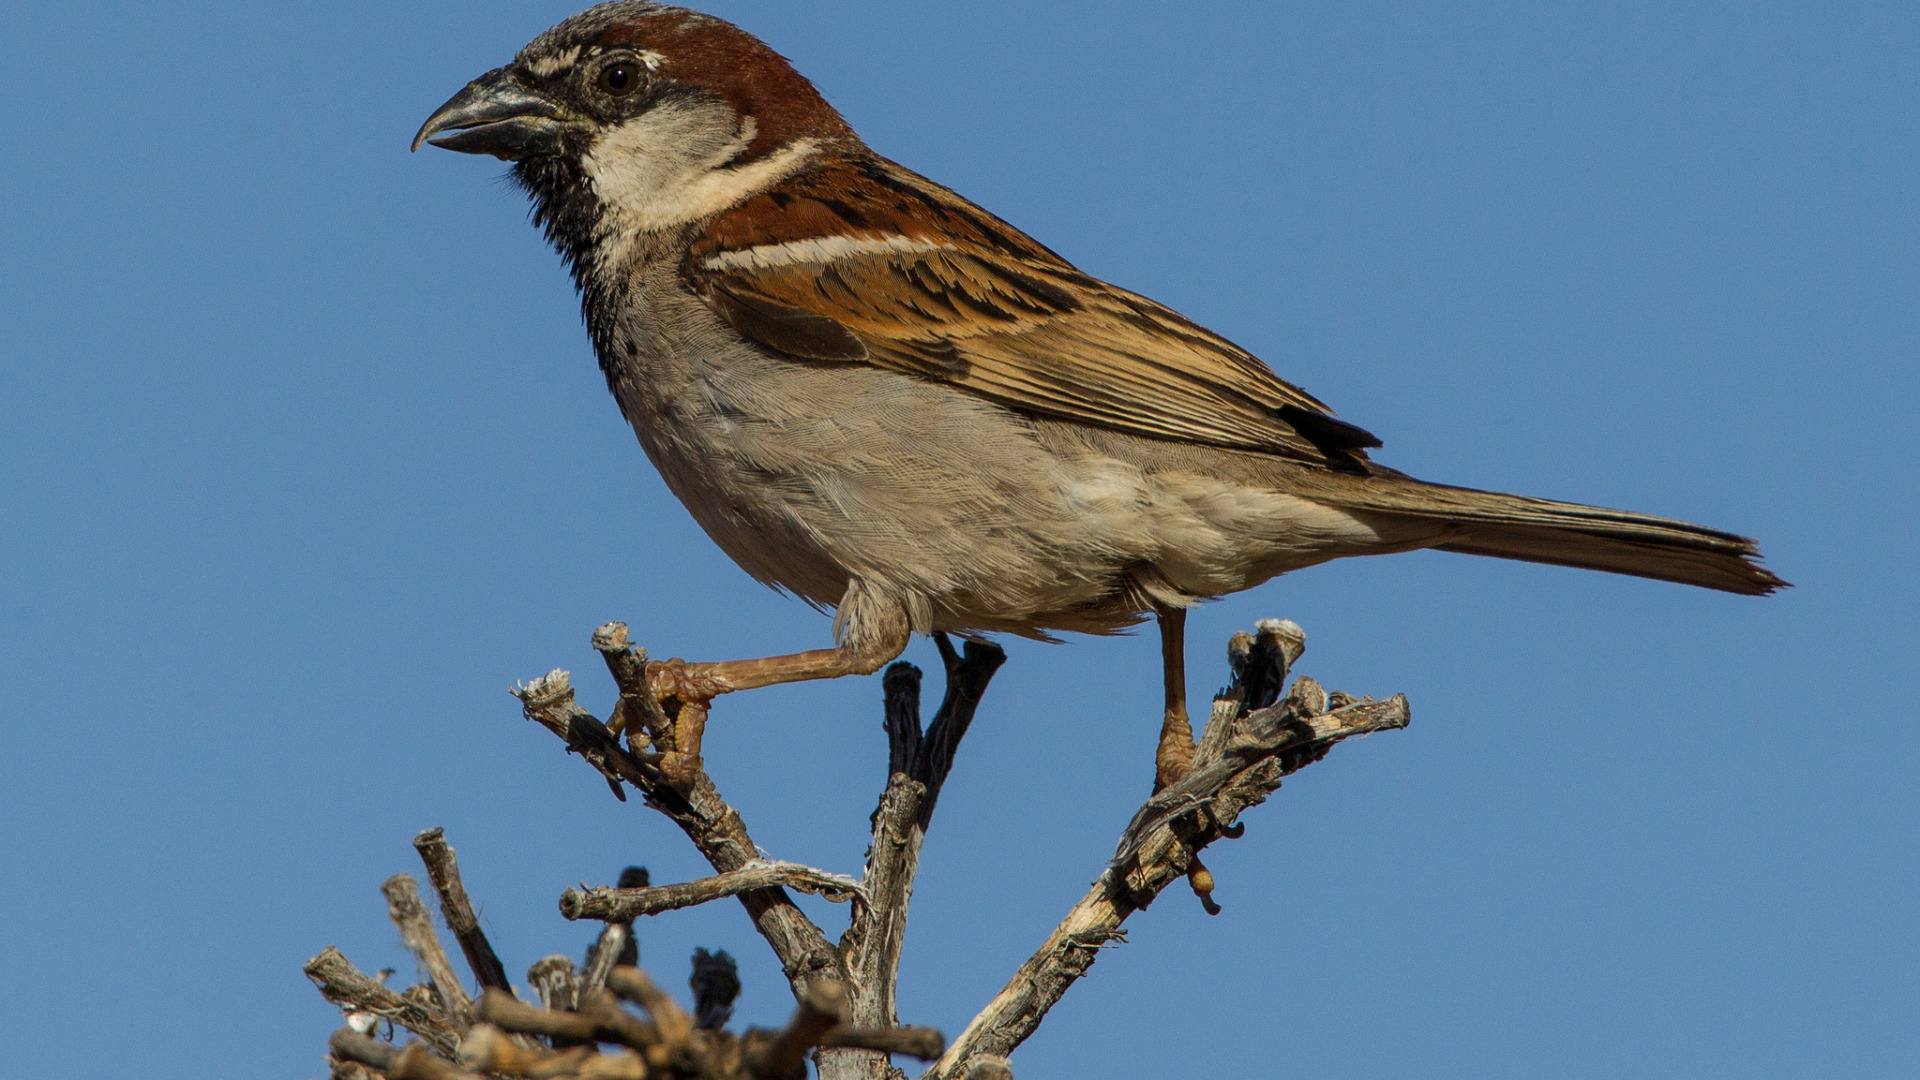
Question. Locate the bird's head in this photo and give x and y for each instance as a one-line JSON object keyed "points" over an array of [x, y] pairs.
{"points": [[637, 118]]}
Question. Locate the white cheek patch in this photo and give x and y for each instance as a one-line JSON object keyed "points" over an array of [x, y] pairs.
{"points": [[669, 167], [823, 249]]}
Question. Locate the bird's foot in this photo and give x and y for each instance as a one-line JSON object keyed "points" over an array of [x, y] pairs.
{"points": [[685, 693], [677, 680], [1172, 760]]}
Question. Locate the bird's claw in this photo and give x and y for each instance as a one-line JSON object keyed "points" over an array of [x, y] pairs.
{"points": [[1201, 879], [675, 682], [685, 693]]}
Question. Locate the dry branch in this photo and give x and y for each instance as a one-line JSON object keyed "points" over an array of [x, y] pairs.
{"points": [[918, 764], [613, 941], [409, 915], [411, 1062], [626, 905], [563, 1040], [616, 945], [357, 992], [846, 1017], [1243, 754], [668, 1044], [696, 806], [444, 871]]}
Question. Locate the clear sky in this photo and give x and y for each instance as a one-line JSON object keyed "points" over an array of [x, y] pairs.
{"points": [[304, 459]]}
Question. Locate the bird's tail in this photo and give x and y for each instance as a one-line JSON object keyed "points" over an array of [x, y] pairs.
{"points": [[1565, 534]]}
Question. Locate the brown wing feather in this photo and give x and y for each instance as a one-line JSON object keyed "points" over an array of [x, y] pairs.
{"points": [[946, 291]]}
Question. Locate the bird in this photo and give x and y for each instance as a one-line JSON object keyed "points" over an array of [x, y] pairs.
{"points": [[879, 397]]}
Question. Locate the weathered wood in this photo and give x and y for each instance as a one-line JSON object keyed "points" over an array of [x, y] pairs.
{"points": [[598, 1019], [357, 992], [1241, 759], [822, 1008], [1255, 736], [457, 911], [626, 905], [918, 764], [921, 1042], [488, 1049], [697, 808], [638, 712], [410, 916], [411, 1062]]}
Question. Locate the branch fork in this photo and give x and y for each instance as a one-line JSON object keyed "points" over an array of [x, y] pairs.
{"points": [[1255, 736]]}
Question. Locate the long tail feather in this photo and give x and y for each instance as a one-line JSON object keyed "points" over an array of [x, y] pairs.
{"points": [[1569, 534]]}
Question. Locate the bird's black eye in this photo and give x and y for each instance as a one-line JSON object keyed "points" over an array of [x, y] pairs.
{"points": [[620, 78]]}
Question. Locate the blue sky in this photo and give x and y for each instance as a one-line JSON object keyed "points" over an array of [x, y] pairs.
{"points": [[304, 459]]}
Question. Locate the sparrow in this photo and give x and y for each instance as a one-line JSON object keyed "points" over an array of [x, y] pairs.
{"points": [[879, 397]]}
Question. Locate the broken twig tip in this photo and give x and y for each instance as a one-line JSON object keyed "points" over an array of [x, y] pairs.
{"points": [[611, 637]]}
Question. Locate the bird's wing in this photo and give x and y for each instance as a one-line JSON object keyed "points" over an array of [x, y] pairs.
{"points": [[862, 261]]}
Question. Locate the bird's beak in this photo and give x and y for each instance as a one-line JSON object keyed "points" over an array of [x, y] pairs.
{"points": [[495, 115]]}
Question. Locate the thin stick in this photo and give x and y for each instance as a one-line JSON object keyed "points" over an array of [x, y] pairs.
{"points": [[626, 905], [352, 989], [444, 871], [599, 1019], [696, 806], [605, 953], [1246, 764], [410, 1062], [921, 1042], [417, 934], [918, 767]]}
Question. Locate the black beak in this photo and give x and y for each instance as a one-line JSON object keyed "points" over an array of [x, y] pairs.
{"points": [[495, 115]]}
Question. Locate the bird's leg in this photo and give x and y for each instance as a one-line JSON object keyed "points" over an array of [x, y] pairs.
{"points": [[1174, 757], [1175, 754], [705, 681], [686, 691], [873, 634]]}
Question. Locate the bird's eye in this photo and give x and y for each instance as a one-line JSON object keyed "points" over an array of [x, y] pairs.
{"points": [[620, 78]]}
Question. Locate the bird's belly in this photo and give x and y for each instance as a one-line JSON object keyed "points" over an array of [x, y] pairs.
{"points": [[810, 476]]}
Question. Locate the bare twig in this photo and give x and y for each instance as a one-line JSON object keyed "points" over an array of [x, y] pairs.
{"points": [[696, 806], [597, 1020], [1240, 760], [918, 765], [411, 1062], [932, 756], [921, 1042], [444, 871], [489, 1049], [847, 1011], [352, 989], [417, 934], [614, 939], [616, 945], [638, 712], [626, 905]]}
